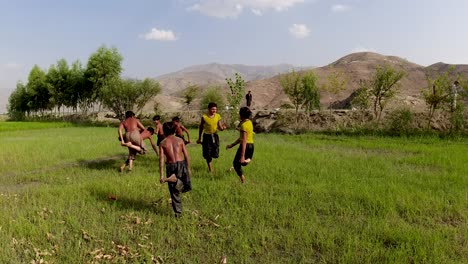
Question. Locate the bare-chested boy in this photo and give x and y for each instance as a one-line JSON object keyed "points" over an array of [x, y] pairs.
{"points": [[132, 136], [180, 129], [159, 129], [145, 134], [173, 153]]}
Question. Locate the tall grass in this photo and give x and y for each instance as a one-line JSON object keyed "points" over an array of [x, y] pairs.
{"points": [[308, 199]]}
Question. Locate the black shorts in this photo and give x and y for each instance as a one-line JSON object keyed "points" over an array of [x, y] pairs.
{"points": [[160, 138], [210, 146], [180, 169], [249, 151]]}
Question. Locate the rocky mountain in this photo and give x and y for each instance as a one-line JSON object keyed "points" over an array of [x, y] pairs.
{"points": [[208, 75], [216, 74], [268, 93]]}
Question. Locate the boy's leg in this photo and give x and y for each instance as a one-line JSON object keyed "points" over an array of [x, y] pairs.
{"points": [[176, 199], [130, 165], [210, 166], [135, 147], [122, 168], [238, 166]]}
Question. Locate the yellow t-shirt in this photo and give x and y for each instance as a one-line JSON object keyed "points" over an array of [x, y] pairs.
{"points": [[210, 125], [247, 127]]}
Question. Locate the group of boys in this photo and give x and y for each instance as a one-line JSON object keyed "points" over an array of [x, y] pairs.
{"points": [[172, 147]]}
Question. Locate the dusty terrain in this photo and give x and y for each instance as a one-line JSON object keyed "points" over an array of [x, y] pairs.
{"points": [[268, 94]]}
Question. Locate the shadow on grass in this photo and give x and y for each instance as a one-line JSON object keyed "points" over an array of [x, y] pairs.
{"points": [[102, 163], [124, 202]]}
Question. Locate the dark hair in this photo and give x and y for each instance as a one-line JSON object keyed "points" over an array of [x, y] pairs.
{"points": [[168, 128], [156, 117], [245, 112], [456, 83], [176, 119], [151, 130], [129, 114], [211, 105]]}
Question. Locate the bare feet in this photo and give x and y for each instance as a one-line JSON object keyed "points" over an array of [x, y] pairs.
{"points": [[171, 178], [223, 260], [242, 179], [122, 168]]}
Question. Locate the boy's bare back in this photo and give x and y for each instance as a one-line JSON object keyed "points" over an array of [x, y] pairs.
{"points": [[130, 124], [173, 149]]}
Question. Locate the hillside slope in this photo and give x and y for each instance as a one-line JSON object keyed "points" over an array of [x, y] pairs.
{"points": [[358, 66]]}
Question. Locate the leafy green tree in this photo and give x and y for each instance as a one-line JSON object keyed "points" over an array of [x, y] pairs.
{"points": [[335, 84], [190, 94], [147, 90], [383, 87], [58, 78], [39, 90], [212, 94], [104, 66], [437, 93], [76, 93], [302, 90], [361, 97], [19, 102], [121, 95], [237, 89], [234, 98], [311, 91]]}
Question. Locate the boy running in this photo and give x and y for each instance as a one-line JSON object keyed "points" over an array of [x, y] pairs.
{"points": [[174, 154], [246, 148], [132, 136], [180, 129], [159, 129], [209, 125]]}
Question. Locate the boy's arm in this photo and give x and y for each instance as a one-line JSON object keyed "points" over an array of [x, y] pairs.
{"points": [[221, 125], [161, 164], [186, 156], [155, 148], [140, 125], [122, 142], [244, 145], [233, 144], [200, 130], [187, 132]]}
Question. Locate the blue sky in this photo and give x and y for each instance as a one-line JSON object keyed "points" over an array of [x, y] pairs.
{"points": [[161, 36]]}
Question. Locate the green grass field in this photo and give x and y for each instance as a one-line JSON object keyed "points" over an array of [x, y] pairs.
{"points": [[308, 199]]}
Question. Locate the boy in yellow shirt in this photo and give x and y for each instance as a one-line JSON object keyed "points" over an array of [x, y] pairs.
{"points": [[209, 125], [246, 148]]}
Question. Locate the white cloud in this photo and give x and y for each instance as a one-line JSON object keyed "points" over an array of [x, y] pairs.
{"points": [[160, 34], [12, 66], [299, 31], [257, 12], [340, 8], [233, 8]]}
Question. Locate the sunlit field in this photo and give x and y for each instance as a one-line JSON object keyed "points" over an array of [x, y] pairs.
{"points": [[308, 198]]}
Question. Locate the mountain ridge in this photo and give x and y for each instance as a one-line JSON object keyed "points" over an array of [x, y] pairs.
{"points": [[263, 80]]}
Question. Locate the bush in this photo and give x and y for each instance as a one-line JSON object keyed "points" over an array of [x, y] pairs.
{"points": [[287, 106], [400, 121]]}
